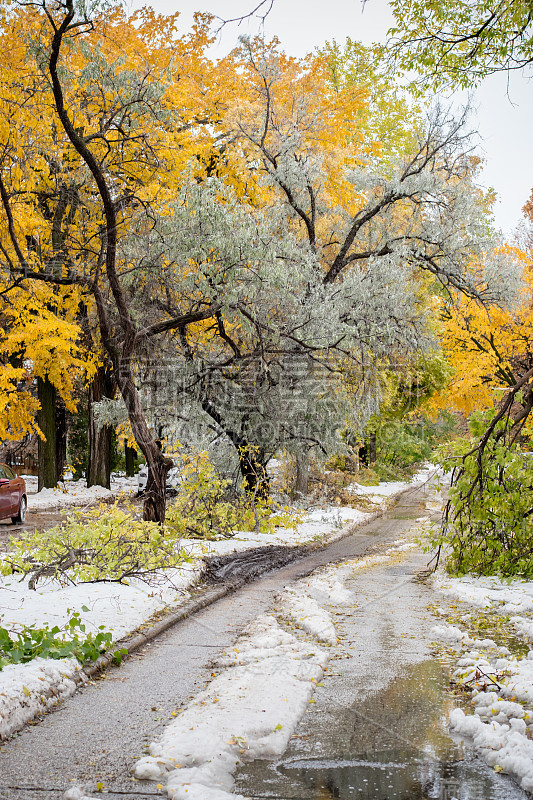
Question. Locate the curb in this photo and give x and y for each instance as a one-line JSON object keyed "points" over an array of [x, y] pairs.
{"points": [[133, 643], [137, 640]]}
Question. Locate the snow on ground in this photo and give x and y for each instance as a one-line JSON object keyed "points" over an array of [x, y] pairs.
{"points": [[506, 597], [501, 725], [382, 489], [123, 608], [319, 524], [392, 487], [74, 493], [28, 690], [251, 709], [120, 607]]}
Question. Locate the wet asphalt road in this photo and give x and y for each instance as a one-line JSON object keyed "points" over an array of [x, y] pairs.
{"points": [[40, 520], [96, 735]]}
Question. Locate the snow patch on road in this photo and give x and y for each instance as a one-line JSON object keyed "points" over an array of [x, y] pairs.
{"points": [[249, 711], [308, 615], [449, 633], [503, 746], [303, 602], [77, 793]]}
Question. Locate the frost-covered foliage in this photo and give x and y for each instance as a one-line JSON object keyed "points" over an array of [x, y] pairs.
{"points": [[423, 207], [109, 412], [302, 272], [287, 356]]}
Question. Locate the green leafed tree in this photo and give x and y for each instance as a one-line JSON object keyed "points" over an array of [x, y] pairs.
{"points": [[460, 42]]}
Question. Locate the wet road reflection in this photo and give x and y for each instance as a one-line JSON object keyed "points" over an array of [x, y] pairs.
{"points": [[391, 745]]}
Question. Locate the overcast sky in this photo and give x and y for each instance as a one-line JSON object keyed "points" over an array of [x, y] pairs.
{"points": [[503, 121]]}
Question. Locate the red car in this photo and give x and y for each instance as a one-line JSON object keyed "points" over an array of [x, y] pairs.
{"points": [[13, 501]]}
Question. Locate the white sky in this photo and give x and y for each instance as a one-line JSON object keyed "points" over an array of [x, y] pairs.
{"points": [[504, 124]]}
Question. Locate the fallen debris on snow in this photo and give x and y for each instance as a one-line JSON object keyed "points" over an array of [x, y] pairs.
{"points": [[501, 683]]}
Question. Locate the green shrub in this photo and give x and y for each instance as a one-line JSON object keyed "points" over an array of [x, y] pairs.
{"points": [[488, 527], [367, 477], [406, 442], [389, 473]]}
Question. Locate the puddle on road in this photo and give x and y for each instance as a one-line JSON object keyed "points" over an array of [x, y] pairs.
{"points": [[393, 776], [36, 520], [392, 745], [416, 514]]}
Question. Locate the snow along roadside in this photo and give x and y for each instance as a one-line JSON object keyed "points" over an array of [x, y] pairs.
{"points": [[500, 683], [27, 690], [252, 708], [75, 493], [249, 711]]}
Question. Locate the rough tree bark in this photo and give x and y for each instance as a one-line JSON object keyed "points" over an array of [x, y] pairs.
{"points": [[46, 419], [301, 486], [130, 454], [372, 448], [61, 423]]}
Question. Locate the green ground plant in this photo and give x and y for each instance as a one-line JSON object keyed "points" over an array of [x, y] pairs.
{"points": [[72, 641]]}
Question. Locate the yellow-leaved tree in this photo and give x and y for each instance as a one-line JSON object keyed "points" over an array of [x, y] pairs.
{"points": [[489, 348], [99, 118]]}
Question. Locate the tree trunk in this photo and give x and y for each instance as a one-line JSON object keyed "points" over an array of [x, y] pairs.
{"points": [[155, 501], [120, 356], [100, 439], [301, 486], [130, 454], [46, 419], [155, 497], [372, 445], [61, 437]]}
